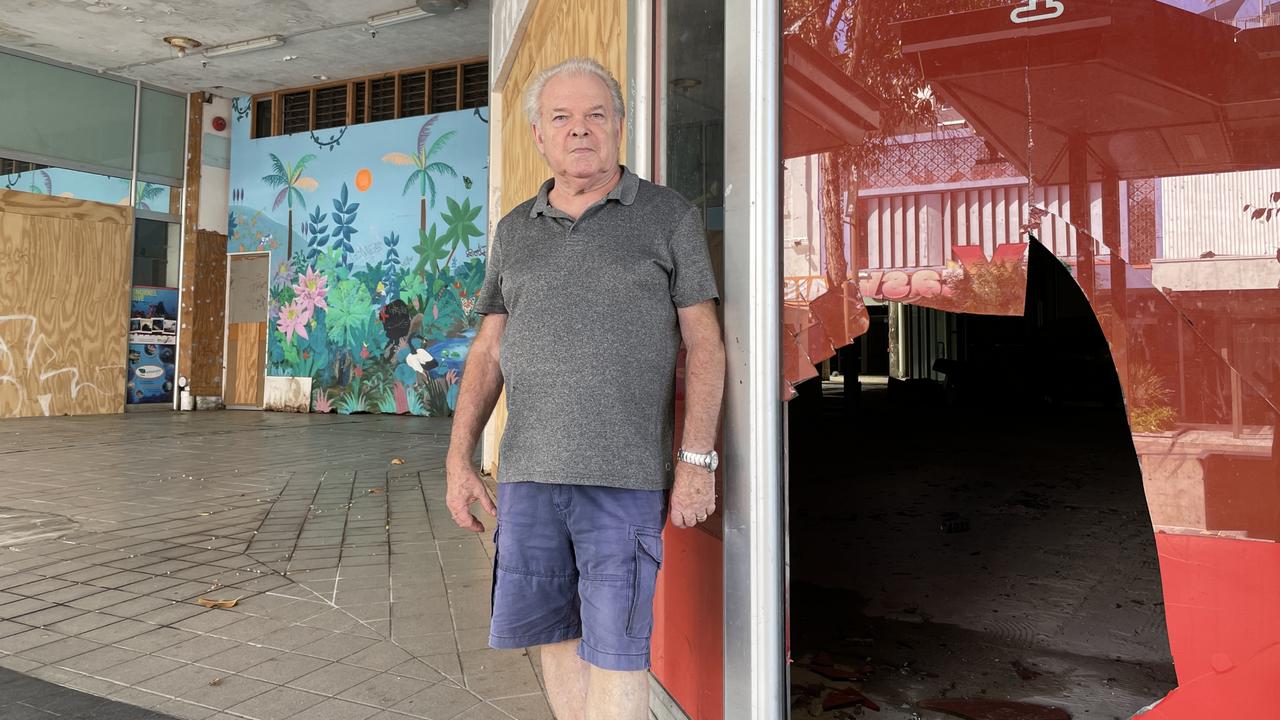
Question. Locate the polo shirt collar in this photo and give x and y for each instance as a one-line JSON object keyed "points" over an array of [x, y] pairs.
{"points": [[624, 192]]}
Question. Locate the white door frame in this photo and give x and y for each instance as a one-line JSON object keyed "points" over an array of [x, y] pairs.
{"points": [[756, 676]]}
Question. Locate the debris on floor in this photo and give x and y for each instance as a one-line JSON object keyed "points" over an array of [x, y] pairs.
{"points": [[995, 710]]}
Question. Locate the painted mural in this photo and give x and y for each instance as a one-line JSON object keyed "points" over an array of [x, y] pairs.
{"points": [[61, 182], [377, 242]]}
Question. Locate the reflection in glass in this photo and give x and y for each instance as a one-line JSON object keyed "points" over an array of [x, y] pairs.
{"points": [[928, 144]]}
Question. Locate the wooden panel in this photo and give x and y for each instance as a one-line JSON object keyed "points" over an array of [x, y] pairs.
{"points": [[205, 319], [64, 304], [559, 29], [246, 350], [190, 277], [47, 206]]}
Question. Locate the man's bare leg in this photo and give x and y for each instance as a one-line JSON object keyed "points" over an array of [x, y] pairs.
{"points": [[566, 677], [614, 695]]}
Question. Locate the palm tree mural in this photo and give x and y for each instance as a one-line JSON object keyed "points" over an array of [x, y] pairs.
{"points": [[425, 167], [146, 193], [291, 182]]}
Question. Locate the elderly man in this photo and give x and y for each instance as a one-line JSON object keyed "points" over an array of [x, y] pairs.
{"points": [[591, 288]]}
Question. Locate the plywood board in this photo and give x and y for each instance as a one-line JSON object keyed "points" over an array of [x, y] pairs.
{"points": [[204, 302], [64, 305], [60, 208], [247, 294], [558, 30], [246, 355]]}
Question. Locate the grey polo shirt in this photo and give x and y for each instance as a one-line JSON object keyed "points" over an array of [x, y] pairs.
{"points": [[589, 350]]}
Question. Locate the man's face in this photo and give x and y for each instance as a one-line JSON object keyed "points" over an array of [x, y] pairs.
{"points": [[579, 131]]}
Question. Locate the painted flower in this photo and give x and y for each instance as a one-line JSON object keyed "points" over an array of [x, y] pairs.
{"points": [[357, 371], [467, 304], [294, 319], [323, 404], [312, 288]]}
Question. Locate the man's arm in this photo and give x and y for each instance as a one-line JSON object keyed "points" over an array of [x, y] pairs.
{"points": [[693, 496], [481, 386]]}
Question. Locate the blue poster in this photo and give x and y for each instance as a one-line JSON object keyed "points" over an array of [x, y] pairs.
{"points": [[153, 343]]}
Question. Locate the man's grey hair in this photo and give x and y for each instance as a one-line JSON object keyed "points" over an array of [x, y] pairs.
{"points": [[572, 66]]}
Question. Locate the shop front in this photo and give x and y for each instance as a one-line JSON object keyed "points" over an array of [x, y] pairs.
{"points": [[944, 163]]}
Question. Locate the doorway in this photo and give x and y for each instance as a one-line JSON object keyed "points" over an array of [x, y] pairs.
{"points": [[246, 348], [976, 529]]}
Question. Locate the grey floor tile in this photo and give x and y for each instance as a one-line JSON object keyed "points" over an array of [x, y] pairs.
{"points": [[139, 670], [197, 648], [227, 692], [336, 646], [277, 704], [27, 640], [239, 658], [284, 668], [332, 679], [60, 650], [384, 690], [184, 710], [334, 709], [155, 639], [381, 657], [525, 707], [443, 700], [96, 660]]}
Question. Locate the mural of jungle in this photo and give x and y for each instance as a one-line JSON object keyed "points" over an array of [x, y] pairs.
{"points": [[377, 240]]}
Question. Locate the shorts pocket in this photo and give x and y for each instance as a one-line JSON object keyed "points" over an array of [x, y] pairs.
{"points": [[493, 586], [644, 582]]}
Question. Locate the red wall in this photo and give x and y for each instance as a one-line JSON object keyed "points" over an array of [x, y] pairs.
{"points": [[688, 636]]}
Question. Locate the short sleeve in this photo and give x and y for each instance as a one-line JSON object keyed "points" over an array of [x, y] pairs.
{"points": [[491, 301], [692, 278]]}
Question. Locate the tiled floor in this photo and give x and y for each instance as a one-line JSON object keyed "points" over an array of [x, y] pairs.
{"points": [[356, 596]]}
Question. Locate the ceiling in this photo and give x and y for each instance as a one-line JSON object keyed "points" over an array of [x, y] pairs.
{"points": [[323, 37]]}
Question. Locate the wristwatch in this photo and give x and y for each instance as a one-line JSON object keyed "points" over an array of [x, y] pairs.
{"points": [[707, 461]]}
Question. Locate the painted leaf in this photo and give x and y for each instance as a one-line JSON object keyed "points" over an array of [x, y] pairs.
{"points": [[440, 142], [307, 183], [397, 158], [425, 131], [442, 169], [408, 184], [278, 167], [431, 185], [280, 198]]}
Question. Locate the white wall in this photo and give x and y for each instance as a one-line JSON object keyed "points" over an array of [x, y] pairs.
{"points": [[214, 164], [1205, 213]]}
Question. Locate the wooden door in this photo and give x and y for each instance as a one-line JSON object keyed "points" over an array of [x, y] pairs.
{"points": [[246, 330]]}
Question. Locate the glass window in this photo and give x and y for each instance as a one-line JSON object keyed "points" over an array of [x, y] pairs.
{"points": [[155, 253]]}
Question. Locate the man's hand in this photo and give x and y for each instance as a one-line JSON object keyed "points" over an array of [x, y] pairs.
{"points": [[693, 497], [466, 487]]}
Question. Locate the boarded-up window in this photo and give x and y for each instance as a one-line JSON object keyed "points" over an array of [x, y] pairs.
{"points": [[262, 118], [296, 112], [444, 89], [413, 94], [382, 99], [475, 85], [361, 93], [331, 107]]}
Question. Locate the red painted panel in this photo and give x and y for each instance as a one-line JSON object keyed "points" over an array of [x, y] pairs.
{"points": [[688, 642], [1224, 630]]}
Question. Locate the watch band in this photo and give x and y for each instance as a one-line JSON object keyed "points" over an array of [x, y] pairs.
{"points": [[705, 461]]}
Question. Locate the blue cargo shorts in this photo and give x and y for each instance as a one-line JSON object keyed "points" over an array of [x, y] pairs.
{"points": [[575, 561]]}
